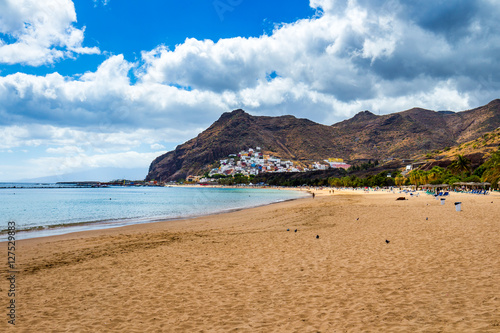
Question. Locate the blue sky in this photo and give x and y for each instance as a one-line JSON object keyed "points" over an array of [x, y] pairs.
{"points": [[130, 27], [91, 84]]}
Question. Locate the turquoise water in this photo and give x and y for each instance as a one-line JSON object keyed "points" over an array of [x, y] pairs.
{"points": [[78, 209]]}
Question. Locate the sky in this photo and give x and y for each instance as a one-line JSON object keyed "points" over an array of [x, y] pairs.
{"points": [[91, 84]]}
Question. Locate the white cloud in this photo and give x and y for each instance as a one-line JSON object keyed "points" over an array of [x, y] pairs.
{"points": [[103, 2], [67, 150], [42, 32], [61, 140], [50, 166], [357, 52], [355, 55], [105, 99], [68, 164], [157, 146], [16, 136]]}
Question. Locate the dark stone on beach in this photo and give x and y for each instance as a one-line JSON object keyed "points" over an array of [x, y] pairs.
{"points": [[287, 229], [426, 218], [317, 236], [387, 242], [400, 198], [295, 230], [357, 219]]}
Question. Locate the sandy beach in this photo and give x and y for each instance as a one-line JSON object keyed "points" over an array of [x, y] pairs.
{"points": [[243, 271]]}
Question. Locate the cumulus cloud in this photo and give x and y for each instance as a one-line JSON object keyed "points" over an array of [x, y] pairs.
{"points": [[68, 150], [61, 140], [70, 163], [157, 146], [384, 56], [64, 164], [104, 99], [352, 54], [39, 32]]}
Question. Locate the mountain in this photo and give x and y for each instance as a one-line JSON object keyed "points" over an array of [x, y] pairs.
{"points": [[401, 135], [408, 133]]}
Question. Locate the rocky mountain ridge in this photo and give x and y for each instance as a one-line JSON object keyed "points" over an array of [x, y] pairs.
{"points": [[401, 135]]}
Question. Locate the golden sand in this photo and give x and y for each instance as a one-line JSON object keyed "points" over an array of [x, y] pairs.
{"points": [[243, 271]]}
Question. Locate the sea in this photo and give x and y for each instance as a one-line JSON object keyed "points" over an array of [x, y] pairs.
{"points": [[40, 210]]}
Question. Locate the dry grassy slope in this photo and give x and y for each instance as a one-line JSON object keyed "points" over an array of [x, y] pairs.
{"points": [[409, 133], [400, 135], [477, 151]]}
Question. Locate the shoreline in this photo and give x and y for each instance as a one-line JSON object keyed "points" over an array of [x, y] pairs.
{"points": [[82, 227], [187, 223], [62, 229]]}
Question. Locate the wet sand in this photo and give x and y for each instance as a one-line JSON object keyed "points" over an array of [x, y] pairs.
{"points": [[243, 271]]}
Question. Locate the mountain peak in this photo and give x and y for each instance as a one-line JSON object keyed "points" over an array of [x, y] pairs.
{"points": [[233, 114], [237, 111], [416, 110], [362, 115], [494, 102]]}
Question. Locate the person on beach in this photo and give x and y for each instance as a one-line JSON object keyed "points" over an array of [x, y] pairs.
{"points": [[314, 195]]}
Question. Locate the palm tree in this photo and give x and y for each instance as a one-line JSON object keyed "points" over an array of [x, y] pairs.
{"points": [[400, 180], [424, 177], [417, 177], [413, 176], [435, 173], [460, 165], [492, 172], [346, 181]]}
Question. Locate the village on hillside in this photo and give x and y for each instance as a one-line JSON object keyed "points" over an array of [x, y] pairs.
{"points": [[254, 161]]}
